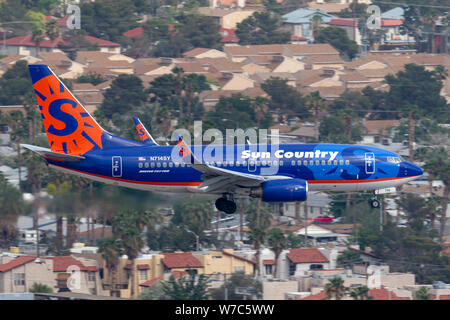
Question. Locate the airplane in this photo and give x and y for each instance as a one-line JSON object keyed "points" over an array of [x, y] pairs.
{"points": [[274, 173]]}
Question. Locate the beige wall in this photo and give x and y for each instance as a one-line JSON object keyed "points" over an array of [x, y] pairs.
{"points": [[231, 20], [290, 65], [34, 272], [238, 82], [337, 66], [217, 261], [275, 290]]}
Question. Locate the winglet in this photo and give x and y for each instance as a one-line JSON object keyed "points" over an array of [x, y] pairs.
{"points": [[144, 135], [186, 153]]}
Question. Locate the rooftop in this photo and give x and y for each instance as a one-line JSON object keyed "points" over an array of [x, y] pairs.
{"points": [[306, 255]]}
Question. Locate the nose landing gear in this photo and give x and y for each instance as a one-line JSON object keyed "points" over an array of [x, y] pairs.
{"points": [[226, 205]]}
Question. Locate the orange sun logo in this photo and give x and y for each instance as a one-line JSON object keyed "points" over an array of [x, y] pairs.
{"points": [[70, 129]]}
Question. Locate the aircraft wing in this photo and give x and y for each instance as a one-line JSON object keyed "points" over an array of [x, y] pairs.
{"points": [[218, 179], [47, 153]]}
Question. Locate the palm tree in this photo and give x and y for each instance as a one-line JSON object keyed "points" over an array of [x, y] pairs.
{"points": [[257, 236], [316, 21], [360, 293], [260, 109], [438, 164], [111, 250], [277, 242], [335, 289], [317, 103]]}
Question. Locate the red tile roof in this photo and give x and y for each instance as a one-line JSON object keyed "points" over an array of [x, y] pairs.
{"points": [[228, 35], [17, 262], [175, 274], [322, 295], [143, 267], [62, 263], [268, 262], [298, 38], [444, 297], [306, 255], [383, 294], [181, 260], [101, 42], [391, 22], [151, 282], [344, 22], [134, 33], [238, 257], [47, 43]]}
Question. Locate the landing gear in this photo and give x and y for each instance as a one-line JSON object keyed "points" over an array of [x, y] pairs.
{"points": [[226, 205], [375, 203]]}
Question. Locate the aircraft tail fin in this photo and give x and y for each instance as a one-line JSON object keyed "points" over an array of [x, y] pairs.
{"points": [[69, 126]]}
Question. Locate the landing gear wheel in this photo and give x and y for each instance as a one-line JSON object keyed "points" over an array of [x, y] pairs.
{"points": [[227, 206], [375, 203]]}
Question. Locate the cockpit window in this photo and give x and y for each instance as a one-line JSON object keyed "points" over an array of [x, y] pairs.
{"points": [[394, 159]]}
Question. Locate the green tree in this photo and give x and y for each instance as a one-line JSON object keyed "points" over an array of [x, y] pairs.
{"points": [[437, 163], [15, 84], [257, 236], [92, 78], [111, 250], [348, 258], [108, 19], [335, 289], [195, 216], [40, 288], [12, 205], [238, 279], [360, 293], [155, 292], [191, 287], [125, 95], [262, 28], [316, 103], [423, 294], [285, 99], [339, 39], [277, 242], [415, 91]]}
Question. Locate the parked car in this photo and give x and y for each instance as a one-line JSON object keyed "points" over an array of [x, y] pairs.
{"points": [[323, 219]]}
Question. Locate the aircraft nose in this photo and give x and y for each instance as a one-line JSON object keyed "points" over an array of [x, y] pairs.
{"points": [[413, 170]]}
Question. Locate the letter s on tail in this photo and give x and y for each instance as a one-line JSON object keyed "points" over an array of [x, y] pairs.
{"points": [[70, 128]]}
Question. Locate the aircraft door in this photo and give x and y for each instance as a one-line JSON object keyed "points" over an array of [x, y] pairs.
{"points": [[116, 166], [369, 160], [251, 165]]}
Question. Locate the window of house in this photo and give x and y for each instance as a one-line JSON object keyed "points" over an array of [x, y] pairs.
{"points": [[239, 269], [91, 276], [19, 279], [316, 267], [143, 275], [292, 267]]}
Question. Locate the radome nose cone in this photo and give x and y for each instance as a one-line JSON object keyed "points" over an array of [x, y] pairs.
{"points": [[414, 170]]}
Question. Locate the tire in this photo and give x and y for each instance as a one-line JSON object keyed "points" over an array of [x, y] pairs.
{"points": [[375, 203]]}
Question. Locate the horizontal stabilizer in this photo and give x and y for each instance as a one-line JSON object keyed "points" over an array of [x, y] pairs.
{"points": [[47, 153]]}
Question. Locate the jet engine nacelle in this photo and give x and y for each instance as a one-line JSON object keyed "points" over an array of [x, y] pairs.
{"points": [[285, 190]]}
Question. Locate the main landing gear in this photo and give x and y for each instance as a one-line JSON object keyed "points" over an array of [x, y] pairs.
{"points": [[226, 205], [375, 203]]}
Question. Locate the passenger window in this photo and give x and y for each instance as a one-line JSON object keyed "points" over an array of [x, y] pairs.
{"points": [[158, 164], [275, 163], [224, 163], [311, 162], [269, 163], [323, 162], [140, 164], [281, 163], [341, 162], [305, 162], [245, 163], [299, 162], [219, 163], [263, 163], [329, 162], [335, 162], [238, 163], [347, 162], [176, 164], [292, 163], [170, 164], [146, 165], [164, 164], [317, 162], [183, 164], [258, 163], [212, 163]]}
